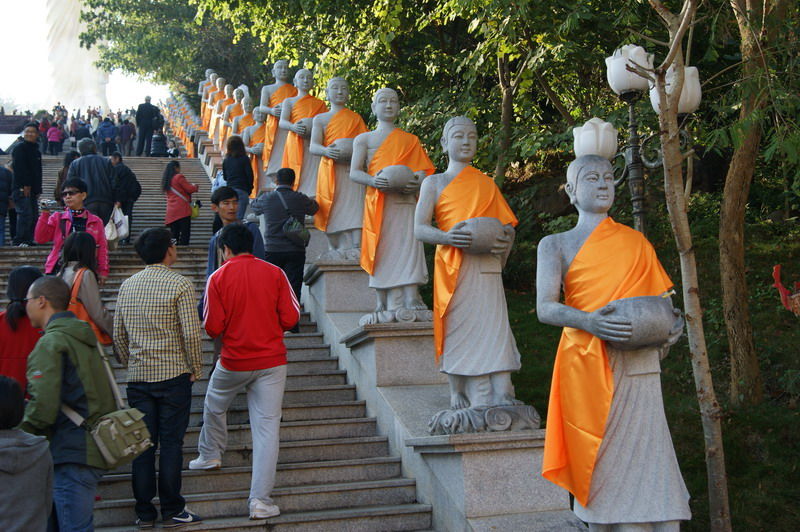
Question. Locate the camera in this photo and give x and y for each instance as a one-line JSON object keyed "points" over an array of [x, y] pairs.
{"points": [[49, 205]]}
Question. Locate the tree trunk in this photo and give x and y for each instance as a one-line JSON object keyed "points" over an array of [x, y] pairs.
{"points": [[506, 119], [710, 411], [746, 382]]}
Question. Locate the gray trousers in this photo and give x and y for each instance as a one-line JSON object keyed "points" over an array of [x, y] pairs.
{"points": [[264, 398]]}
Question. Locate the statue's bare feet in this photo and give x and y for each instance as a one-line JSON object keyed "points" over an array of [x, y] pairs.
{"points": [[416, 304], [458, 401], [507, 400]]}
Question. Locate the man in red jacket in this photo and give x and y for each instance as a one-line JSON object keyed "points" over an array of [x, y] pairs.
{"points": [[249, 303]]}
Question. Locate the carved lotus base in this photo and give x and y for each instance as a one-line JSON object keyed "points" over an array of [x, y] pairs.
{"points": [[485, 419], [401, 315]]}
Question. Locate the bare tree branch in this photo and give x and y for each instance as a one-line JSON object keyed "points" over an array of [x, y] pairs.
{"points": [[649, 39], [678, 37]]}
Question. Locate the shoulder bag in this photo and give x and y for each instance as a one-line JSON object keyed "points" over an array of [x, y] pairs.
{"points": [[120, 435], [294, 230]]}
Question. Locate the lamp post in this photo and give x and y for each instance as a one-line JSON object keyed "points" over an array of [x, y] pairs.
{"points": [[629, 87]]}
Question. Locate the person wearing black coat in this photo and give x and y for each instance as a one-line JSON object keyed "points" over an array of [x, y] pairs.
{"points": [[27, 184], [98, 174], [6, 182], [238, 173], [159, 143], [146, 116], [126, 190]]}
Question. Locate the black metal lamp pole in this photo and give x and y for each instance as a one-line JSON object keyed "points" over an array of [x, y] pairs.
{"points": [[634, 168]]}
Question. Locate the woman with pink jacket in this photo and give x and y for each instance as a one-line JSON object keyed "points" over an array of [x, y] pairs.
{"points": [[57, 226], [179, 202]]}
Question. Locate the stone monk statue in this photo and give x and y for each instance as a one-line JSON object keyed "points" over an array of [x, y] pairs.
{"points": [[204, 87], [607, 438], [214, 95], [470, 318], [231, 111], [297, 115], [215, 128], [245, 119], [341, 200], [253, 138], [272, 96], [393, 258]]}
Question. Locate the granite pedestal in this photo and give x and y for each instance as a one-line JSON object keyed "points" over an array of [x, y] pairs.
{"points": [[484, 481]]}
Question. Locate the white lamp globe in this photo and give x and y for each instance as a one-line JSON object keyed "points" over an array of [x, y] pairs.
{"points": [[691, 93], [619, 78], [595, 137]]}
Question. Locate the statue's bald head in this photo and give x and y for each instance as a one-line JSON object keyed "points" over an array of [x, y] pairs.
{"points": [[582, 165], [456, 121], [303, 72], [259, 113], [209, 71], [337, 79], [281, 63], [381, 92]]}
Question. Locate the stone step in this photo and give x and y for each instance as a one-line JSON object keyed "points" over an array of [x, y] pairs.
{"points": [[237, 414], [118, 485], [289, 499], [316, 429], [321, 366], [293, 452], [391, 518]]}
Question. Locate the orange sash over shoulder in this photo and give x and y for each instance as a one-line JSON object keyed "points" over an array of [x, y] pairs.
{"points": [[215, 96], [215, 124], [245, 122], [471, 194], [615, 262], [345, 124], [306, 107], [271, 124], [255, 139], [226, 130], [398, 148]]}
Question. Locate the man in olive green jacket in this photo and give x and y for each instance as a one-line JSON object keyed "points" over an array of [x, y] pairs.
{"points": [[65, 368]]}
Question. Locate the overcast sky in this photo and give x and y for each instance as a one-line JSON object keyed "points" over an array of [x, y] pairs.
{"points": [[23, 48]]}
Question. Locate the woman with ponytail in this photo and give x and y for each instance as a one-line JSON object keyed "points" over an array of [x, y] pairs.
{"points": [[17, 335]]}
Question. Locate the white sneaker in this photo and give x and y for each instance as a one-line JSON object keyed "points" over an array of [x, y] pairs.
{"points": [[259, 510], [201, 463]]}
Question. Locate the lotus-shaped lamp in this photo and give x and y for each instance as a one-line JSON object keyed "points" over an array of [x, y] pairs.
{"points": [[595, 137], [691, 93], [619, 77]]}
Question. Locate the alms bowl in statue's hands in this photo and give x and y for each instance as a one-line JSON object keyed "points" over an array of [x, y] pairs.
{"points": [[653, 320], [398, 176], [485, 232]]}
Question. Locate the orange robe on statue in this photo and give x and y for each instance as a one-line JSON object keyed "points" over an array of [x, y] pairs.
{"points": [[206, 85], [306, 107], [271, 124], [216, 124], [226, 130], [214, 97], [615, 262], [471, 194], [256, 138], [398, 148], [345, 124]]}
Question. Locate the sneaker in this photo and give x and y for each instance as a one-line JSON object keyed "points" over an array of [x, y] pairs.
{"points": [[201, 463], [184, 518], [259, 510], [143, 524]]}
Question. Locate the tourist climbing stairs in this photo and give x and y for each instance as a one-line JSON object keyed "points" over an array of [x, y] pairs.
{"points": [[335, 472]]}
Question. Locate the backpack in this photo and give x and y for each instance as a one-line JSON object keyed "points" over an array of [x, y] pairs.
{"points": [[77, 308]]}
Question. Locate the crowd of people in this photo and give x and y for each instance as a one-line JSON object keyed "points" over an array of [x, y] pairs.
{"points": [[137, 131], [56, 319]]}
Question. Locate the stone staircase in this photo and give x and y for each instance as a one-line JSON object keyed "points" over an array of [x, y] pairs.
{"points": [[335, 472]]}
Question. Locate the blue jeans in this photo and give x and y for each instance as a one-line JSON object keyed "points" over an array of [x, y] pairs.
{"points": [[74, 487], [27, 212], [166, 406], [2, 230], [244, 201]]}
